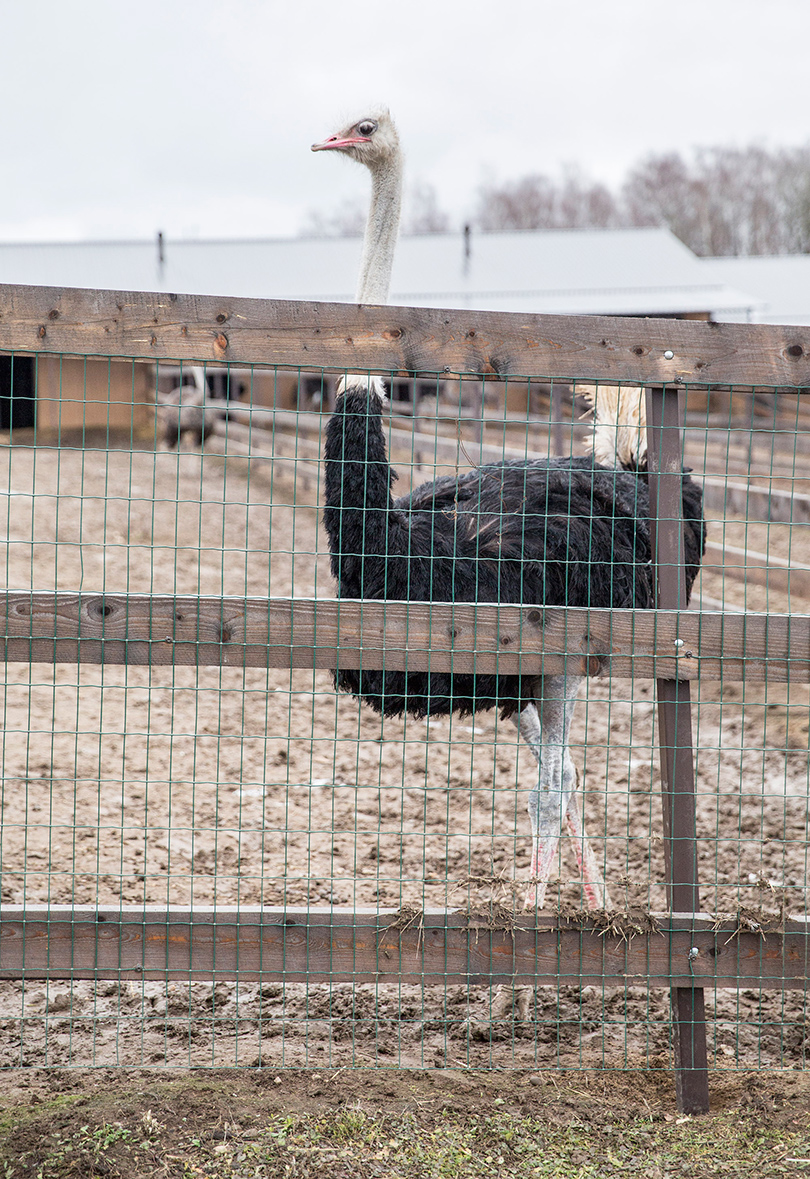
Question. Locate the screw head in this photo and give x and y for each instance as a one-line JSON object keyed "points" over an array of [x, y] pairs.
{"points": [[669, 354]]}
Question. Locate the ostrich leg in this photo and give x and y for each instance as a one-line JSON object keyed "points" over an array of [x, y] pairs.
{"points": [[552, 805], [595, 888], [553, 802]]}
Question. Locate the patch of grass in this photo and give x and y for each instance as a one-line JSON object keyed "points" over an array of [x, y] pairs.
{"points": [[518, 1146], [106, 1149], [265, 1127], [355, 1144]]}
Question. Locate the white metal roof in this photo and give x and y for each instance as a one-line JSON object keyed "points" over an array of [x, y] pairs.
{"points": [[782, 284], [591, 271], [582, 271]]}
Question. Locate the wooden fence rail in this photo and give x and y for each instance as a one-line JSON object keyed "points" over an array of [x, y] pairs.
{"points": [[463, 637], [687, 951], [407, 340], [323, 945]]}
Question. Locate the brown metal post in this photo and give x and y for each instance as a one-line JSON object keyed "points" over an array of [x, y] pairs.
{"points": [[556, 418], [416, 424], [479, 424], [675, 734]]}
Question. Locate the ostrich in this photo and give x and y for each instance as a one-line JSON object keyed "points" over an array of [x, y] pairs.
{"points": [[555, 532], [187, 410]]}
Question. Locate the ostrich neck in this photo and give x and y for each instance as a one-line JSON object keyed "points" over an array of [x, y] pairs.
{"points": [[381, 233], [365, 534]]}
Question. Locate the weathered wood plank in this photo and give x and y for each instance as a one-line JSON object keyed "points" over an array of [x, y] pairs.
{"points": [[415, 636], [371, 945], [286, 432], [299, 447], [259, 432], [727, 497], [746, 565], [154, 325]]}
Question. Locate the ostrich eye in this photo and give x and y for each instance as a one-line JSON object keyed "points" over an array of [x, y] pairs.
{"points": [[367, 128]]}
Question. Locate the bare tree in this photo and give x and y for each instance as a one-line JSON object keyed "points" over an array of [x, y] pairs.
{"points": [[718, 201], [726, 201], [527, 203], [422, 215], [583, 204], [538, 202], [347, 220], [796, 193]]}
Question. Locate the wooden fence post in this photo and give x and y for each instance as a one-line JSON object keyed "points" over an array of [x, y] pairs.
{"points": [[675, 735]]}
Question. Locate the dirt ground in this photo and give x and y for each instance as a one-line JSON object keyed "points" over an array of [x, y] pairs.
{"points": [[444, 1124], [185, 785], [409, 1125]]}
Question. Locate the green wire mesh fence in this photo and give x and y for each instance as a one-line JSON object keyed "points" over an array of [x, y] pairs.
{"points": [[211, 857]]}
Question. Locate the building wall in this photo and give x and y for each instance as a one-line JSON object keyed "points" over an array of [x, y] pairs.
{"points": [[270, 389], [74, 394]]}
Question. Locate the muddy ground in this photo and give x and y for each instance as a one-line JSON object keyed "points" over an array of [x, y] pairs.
{"points": [[407, 1125], [413, 1125], [185, 785]]}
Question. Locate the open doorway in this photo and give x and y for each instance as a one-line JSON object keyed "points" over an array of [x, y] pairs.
{"points": [[17, 393]]}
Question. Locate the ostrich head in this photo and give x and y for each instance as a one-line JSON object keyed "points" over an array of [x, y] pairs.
{"points": [[372, 140]]}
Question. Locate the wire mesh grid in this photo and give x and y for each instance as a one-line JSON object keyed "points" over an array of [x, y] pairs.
{"points": [[231, 788]]}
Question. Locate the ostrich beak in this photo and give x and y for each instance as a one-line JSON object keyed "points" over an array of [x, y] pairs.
{"points": [[336, 142]]}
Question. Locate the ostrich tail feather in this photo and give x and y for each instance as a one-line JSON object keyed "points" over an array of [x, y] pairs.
{"points": [[619, 419], [365, 384]]}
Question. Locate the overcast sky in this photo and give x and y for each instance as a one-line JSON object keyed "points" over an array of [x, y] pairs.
{"points": [[196, 116]]}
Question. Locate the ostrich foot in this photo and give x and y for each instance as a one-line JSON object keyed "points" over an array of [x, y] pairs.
{"points": [[544, 852], [593, 883], [507, 999]]}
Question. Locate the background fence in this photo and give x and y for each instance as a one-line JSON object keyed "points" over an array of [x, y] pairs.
{"points": [[209, 857]]}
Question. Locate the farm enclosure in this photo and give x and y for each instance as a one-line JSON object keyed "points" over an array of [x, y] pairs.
{"points": [[170, 783]]}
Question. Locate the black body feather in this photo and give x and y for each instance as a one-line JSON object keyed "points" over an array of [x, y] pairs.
{"points": [[537, 532]]}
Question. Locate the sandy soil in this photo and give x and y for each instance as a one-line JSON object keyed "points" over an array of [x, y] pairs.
{"points": [[185, 785]]}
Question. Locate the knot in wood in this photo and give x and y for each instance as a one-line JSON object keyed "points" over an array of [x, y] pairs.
{"points": [[99, 608]]}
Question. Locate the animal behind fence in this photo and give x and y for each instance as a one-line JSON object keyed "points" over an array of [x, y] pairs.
{"points": [[564, 532], [348, 864]]}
